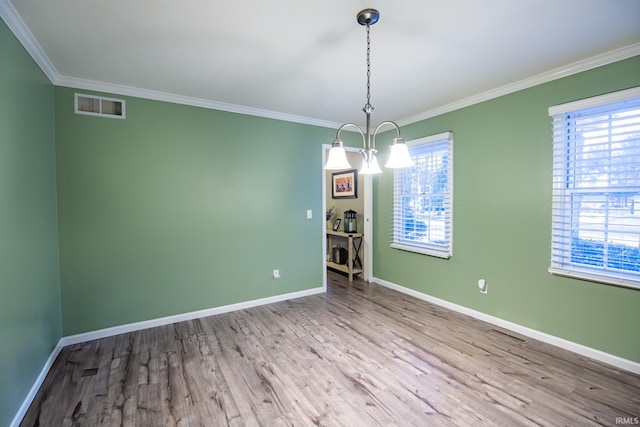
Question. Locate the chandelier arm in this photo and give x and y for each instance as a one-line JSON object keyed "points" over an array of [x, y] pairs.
{"points": [[352, 125], [388, 122]]}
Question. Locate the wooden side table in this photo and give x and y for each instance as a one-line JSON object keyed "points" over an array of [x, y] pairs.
{"points": [[354, 260]]}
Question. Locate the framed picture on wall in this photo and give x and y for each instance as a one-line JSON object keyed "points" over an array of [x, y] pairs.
{"points": [[344, 185]]}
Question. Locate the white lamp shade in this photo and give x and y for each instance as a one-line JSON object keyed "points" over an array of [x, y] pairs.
{"points": [[337, 159], [371, 167], [399, 156]]}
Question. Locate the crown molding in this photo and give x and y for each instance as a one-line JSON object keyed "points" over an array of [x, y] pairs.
{"points": [[558, 73], [22, 33], [568, 70], [187, 100], [17, 26]]}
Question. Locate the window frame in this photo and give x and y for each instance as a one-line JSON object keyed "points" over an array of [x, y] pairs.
{"points": [[426, 248], [564, 141]]}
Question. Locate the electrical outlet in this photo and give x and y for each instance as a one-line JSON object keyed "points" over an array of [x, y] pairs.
{"points": [[276, 274], [482, 284]]}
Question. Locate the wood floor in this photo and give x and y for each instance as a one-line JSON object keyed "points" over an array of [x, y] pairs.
{"points": [[361, 355]]}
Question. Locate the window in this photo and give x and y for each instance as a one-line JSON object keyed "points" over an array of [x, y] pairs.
{"points": [[422, 198], [596, 189], [99, 106]]}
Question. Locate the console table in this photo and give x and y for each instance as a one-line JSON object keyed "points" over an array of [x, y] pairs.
{"points": [[354, 261]]}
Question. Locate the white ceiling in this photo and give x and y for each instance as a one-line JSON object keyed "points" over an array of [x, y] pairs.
{"points": [[305, 61]]}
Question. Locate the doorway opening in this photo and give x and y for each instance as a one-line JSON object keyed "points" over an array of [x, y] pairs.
{"points": [[335, 207]]}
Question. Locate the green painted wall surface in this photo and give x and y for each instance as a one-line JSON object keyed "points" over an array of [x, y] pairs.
{"points": [[178, 208], [30, 319], [502, 219]]}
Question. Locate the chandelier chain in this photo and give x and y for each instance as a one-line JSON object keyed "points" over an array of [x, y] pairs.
{"points": [[368, 68]]}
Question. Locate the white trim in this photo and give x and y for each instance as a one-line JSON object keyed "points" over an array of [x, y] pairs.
{"points": [[84, 84], [17, 26], [367, 239], [595, 101], [22, 33], [611, 359], [593, 277], [567, 135], [168, 320], [431, 138], [429, 249], [132, 327], [22, 411], [19, 29], [555, 74], [422, 250], [325, 150], [367, 244]]}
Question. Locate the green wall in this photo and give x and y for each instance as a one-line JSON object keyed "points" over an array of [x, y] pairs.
{"points": [[502, 220], [178, 208], [30, 323]]}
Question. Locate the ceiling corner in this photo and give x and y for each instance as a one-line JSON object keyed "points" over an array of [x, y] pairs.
{"points": [[19, 29]]}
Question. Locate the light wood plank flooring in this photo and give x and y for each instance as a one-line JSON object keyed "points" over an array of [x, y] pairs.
{"points": [[361, 355]]}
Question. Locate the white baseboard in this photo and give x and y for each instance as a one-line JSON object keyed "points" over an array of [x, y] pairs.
{"points": [[36, 386], [131, 327], [619, 362], [610, 359]]}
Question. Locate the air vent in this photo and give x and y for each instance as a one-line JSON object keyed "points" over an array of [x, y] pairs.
{"points": [[99, 106]]}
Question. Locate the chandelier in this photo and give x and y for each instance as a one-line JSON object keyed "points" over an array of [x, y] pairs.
{"points": [[399, 155]]}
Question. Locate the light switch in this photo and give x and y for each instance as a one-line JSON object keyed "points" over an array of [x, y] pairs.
{"points": [[309, 214]]}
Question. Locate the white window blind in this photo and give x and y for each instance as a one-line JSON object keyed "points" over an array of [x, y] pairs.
{"points": [[596, 189], [422, 198]]}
